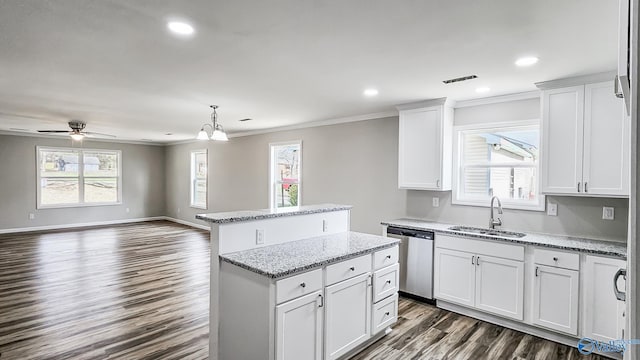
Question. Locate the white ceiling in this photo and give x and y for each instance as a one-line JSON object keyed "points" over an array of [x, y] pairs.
{"points": [[113, 64]]}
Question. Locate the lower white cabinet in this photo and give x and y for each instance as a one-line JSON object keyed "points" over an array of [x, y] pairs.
{"points": [[500, 286], [454, 276], [603, 315], [555, 301], [487, 283], [347, 315], [299, 328]]}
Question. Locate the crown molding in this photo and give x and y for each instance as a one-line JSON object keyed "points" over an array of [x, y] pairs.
{"points": [[498, 99]]}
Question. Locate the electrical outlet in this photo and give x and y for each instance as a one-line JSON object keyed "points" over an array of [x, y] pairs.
{"points": [[127, 210], [325, 226], [607, 213], [259, 237], [435, 202], [552, 209], [32, 216]]}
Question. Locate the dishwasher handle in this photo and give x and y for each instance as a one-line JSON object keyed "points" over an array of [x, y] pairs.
{"points": [[620, 295]]}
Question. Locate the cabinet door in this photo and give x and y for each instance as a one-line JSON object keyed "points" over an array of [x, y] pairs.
{"points": [[555, 299], [500, 286], [562, 140], [606, 142], [454, 276], [420, 155], [347, 315], [299, 328], [601, 310]]}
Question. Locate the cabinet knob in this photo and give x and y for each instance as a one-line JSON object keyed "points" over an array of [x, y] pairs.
{"points": [[555, 258], [352, 268], [303, 285], [388, 256], [386, 314], [388, 281]]}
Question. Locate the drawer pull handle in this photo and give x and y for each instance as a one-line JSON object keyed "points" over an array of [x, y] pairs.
{"points": [[536, 271], [388, 256], [555, 258], [388, 281], [303, 285], [386, 314], [352, 268], [321, 300]]}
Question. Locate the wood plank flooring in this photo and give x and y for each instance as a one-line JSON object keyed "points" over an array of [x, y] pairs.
{"points": [[141, 291]]}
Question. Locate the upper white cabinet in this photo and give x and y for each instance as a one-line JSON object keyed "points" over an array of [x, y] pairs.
{"points": [[585, 141], [425, 145]]}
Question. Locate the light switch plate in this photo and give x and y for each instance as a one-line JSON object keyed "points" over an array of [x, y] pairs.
{"points": [[32, 216], [552, 209], [608, 213], [259, 237], [436, 202]]}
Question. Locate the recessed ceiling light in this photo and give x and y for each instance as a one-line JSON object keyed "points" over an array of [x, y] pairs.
{"points": [[370, 92], [483, 89], [180, 28], [526, 61]]}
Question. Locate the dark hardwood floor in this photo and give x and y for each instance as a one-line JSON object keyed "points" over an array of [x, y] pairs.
{"points": [[141, 291]]}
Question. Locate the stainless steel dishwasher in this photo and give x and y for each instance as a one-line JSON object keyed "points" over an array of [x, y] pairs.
{"points": [[416, 261]]}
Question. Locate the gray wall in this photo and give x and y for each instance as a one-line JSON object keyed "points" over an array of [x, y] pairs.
{"points": [[143, 188], [356, 164], [353, 163]]}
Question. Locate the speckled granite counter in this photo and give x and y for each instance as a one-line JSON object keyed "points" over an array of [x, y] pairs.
{"points": [[251, 215], [277, 261], [591, 246]]}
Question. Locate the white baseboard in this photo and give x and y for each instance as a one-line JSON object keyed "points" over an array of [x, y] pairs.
{"points": [[183, 222], [78, 225]]}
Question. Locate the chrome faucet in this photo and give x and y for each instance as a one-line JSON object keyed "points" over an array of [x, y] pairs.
{"points": [[495, 222]]}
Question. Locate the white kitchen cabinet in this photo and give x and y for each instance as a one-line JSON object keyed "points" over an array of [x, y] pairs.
{"points": [[555, 301], [487, 283], [585, 141], [500, 286], [454, 276], [425, 145], [299, 328], [347, 315], [603, 318]]}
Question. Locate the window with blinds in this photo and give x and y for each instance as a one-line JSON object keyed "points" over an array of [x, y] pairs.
{"points": [[498, 161]]}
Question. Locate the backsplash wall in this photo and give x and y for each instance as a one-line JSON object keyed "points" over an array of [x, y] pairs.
{"points": [[577, 216]]}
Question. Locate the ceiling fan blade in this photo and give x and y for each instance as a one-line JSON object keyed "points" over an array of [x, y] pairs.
{"points": [[91, 134], [53, 131]]}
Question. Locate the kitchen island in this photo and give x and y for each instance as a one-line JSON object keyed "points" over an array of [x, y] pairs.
{"points": [[296, 283]]}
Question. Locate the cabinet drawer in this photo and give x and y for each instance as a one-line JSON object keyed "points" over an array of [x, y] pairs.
{"points": [[298, 285], [481, 247], [385, 313], [556, 258], [385, 282], [385, 257], [347, 269]]}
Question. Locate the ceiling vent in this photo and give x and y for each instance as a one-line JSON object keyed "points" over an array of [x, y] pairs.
{"points": [[464, 78]]}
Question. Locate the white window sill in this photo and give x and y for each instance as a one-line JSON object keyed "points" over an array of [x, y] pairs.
{"points": [[64, 206], [505, 204]]}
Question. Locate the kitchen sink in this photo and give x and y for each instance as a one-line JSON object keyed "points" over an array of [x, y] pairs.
{"points": [[492, 232]]}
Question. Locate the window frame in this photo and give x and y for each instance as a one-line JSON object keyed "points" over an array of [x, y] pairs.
{"points": [[458, 131], [80, 177], [192, 178], [273, 181]]}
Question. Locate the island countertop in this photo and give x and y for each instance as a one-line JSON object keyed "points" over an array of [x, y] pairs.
{"points": [[591, 246], [277, 261], [260, 214]]}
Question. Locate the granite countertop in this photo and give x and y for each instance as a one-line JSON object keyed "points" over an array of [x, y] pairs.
{"points": [[250, 215], [591, 246], [277, 261]]}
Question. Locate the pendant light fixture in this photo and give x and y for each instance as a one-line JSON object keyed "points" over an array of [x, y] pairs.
{"points": [[217, 131]]}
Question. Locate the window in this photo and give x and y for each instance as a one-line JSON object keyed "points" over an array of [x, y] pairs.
{"points": [[285, 163], [199, 179], [78, 177], [498, 160]]}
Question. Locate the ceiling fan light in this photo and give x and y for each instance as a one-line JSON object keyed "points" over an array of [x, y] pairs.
{"points": [[77, 136], [202, 135]]}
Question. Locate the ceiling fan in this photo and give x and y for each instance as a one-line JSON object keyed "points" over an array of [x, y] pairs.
{"points": [[77, 131]]}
